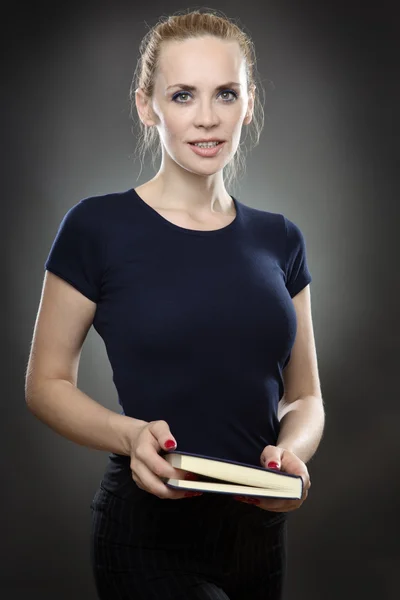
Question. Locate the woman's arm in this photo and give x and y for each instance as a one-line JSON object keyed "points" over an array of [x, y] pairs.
{"points": [[73, 414], [301, 410], [302, 424], [51, 392]]}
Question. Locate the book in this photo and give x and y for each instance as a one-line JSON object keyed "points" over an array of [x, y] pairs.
{"points": [[230, 477]]}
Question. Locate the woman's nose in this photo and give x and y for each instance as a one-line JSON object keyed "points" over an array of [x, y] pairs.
{"points": [[206, 115]]}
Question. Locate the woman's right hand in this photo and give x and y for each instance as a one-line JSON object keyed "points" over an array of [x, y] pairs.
{"points": [[148, 467]]}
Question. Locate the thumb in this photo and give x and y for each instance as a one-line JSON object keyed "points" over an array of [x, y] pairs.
{"points": [[162, 434], [170, 443], [271, 457]]}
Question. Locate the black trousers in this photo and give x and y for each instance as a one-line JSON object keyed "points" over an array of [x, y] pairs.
{"points": [[209, 547]]}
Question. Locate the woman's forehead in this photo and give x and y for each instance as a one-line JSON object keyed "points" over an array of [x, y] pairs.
{"points": [[223, 60]]}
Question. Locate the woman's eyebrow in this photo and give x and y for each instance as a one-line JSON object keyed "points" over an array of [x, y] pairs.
{"points": [[193, 88]]}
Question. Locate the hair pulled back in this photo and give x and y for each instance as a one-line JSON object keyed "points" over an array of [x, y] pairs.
{"points": [[179, 27]]}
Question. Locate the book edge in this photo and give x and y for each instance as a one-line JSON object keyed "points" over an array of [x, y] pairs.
{"points": [[180, 484], [232, 462]]}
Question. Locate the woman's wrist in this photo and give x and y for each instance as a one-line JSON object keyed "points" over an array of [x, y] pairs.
{"points": [[125, 429]]}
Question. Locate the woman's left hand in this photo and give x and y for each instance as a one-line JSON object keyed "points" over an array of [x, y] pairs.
{"points": [[287, 461]]}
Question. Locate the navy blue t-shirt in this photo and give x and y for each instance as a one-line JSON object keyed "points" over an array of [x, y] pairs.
{"points": [[198, 325]]}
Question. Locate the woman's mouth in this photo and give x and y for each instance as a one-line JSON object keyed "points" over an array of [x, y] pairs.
{"points": [[207, 151]]}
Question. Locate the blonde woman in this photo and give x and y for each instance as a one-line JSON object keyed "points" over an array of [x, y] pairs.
{"points": [[203, 304]]}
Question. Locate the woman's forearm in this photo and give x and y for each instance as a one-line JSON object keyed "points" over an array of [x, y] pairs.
{"points": [[301, 426], [77, 417]]}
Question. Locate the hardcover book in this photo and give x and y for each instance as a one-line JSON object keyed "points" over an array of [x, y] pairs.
{"points": [[231, 477]]}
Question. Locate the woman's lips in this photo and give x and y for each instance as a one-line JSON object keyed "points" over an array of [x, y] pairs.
{"points": [[207, 151]]}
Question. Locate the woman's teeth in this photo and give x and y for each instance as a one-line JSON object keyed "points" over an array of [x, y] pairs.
{"points": [[204, 145]]}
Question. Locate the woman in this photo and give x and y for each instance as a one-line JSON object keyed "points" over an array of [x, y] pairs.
{"points": [[204, 307]]}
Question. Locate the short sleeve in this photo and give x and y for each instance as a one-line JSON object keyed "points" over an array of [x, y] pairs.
{"points": [[297, 272], [77, 254]]}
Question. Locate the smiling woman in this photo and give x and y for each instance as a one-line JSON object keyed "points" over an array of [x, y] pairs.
{"points": [[180, 111], [218, 48], [192, 292]]}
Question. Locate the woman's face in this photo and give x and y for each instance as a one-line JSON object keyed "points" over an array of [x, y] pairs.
{"points": [[183, 114]]}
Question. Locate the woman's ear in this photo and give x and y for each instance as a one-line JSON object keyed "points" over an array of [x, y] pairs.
{"points": [[143, 107], [250, 107]]}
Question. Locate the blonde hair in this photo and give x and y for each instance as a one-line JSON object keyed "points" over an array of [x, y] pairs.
{"points": [[178, 27]]}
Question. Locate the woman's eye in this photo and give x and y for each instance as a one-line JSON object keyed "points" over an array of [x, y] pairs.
{"points": [[230, 92], [180, 94]]}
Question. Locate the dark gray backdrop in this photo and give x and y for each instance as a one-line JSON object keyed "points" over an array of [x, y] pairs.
{"points": [[328, 159]]}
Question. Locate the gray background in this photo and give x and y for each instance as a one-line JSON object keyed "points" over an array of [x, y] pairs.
{"points": [[327, 160]]}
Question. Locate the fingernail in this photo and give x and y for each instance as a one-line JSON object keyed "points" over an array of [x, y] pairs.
{"points": [[170, 444], [273, 465], [191, 494], [191, 476]]}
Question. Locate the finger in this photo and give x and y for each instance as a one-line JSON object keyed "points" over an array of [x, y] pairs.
{"points": [[162, 435], [272, 505], [150, 468], [280, 510], [152, 484], [162, 439], [266, 502], [283, 507], [148, 452], [294, 467]]}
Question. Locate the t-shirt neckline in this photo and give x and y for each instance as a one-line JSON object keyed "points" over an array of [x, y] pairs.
{"points": [[211, 232]]}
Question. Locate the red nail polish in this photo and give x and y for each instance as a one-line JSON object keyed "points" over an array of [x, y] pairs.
{"points": [[170, 444], [273, 465]]}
